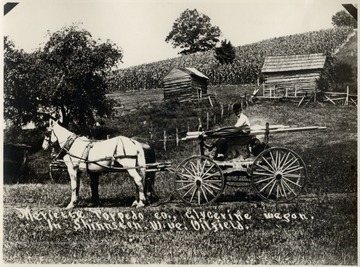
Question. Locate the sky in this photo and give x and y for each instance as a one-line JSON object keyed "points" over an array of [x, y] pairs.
{"points": [[139, 27]]}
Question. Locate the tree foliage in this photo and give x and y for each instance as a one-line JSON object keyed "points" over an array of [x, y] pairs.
{"points": [[344, 73], [225, 54], [67, 76], [342, 18], [22, 75], [193, 32]]}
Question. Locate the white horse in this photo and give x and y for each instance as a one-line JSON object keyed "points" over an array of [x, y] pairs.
{"points": [[98, 157]]}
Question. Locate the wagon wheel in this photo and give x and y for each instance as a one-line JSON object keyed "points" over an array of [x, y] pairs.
{"points": [[199, 180], [58, 172], [278, 174]]}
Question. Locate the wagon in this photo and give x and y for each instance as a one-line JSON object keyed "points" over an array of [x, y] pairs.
{"points": [[275, 174]]}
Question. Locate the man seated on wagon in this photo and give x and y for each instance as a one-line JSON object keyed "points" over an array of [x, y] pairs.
{"points": [[241, 128]]}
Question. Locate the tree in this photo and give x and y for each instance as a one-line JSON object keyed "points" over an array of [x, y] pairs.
{"points": [[344, 74], [342, 18], [193, 32], [21, 78], [225, 54], [68, 76]]}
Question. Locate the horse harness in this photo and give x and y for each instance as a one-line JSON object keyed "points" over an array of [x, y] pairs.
{"points": [[70, 141], [65, 149]]}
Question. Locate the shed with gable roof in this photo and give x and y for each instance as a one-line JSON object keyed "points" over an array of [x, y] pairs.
{"points": [[185, 84], [292, 76]]}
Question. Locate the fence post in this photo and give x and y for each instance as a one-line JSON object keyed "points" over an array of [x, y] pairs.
{"points": [[177, 137], [347, 96], [210, 102], [207, 120], [165, 137]]}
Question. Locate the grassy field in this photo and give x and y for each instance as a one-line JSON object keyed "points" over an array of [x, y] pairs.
{"points": [[318, 228]]}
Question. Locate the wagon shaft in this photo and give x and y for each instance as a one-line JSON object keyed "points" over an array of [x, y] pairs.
{"points": [[156, 167]]}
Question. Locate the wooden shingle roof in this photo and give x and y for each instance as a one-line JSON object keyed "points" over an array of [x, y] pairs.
{"points": [[181, 72], [293, 63]]}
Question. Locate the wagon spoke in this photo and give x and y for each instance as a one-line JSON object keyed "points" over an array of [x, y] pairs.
{"points": [[289, 165], [270, 165], [193, 194], [264, 180], [294, 169], [280, 159], [266, 185], [263, 174], [208, 170], [294, 176], [273, 161], [185, 186], [285, 159], [201, 192], [283, 189], [277, 192], [272, 188], [203, 167], [211, 186], [198, 167], [187, 192], [265, 168], [209, 190], [289, 187], [190, 174], [277, 160], [290, 181], [187, 177], [211, 175], [194, 169]]}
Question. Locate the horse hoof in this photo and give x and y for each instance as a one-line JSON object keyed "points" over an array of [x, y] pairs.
{"points": [[140, 205], [134, 204], [94, 205], [70, 206], [153, 199]]}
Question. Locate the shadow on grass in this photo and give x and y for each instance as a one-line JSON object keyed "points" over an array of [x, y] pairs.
{"points": [[113, 202], [240, 196]]}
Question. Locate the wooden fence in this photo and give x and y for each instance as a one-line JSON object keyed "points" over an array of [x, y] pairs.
{"points": [[210, 119], [345, 98]]}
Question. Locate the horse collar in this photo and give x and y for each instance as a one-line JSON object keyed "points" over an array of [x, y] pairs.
{"points": [[68, 143]]}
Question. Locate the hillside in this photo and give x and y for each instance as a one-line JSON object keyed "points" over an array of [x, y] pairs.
{"points": [[346, 59], [245, 69], [348, 52]]}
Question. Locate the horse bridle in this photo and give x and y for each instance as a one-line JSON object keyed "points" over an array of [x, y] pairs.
{"points": [[67, 143]]}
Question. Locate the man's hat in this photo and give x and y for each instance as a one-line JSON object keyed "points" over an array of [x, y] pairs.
{"points": [[237, 107]]}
